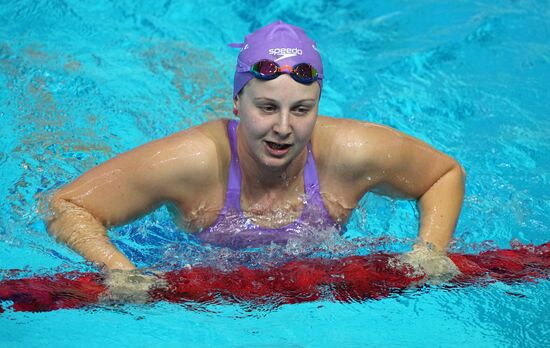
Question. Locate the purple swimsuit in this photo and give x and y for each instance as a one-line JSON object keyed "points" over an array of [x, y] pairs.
{"points": [[233, 229]]}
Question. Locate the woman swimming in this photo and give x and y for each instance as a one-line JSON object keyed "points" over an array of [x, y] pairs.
{"points": [[279, 170]]}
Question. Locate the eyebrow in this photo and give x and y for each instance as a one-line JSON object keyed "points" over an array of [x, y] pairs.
{"points": [[261, 99]]}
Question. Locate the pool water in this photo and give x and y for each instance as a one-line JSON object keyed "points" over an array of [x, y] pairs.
{"points": [[81, 83]]}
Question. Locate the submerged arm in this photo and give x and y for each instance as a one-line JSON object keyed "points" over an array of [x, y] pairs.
{"points": [[82, 232]]}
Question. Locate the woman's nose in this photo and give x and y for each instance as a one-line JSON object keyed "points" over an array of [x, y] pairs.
{"points": [[282, 127]]}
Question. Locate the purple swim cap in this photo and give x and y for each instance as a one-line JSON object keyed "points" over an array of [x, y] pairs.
{"points": [[280, 42]]}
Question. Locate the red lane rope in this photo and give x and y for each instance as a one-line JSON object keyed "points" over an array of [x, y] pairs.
{"points": [[353, 278]]}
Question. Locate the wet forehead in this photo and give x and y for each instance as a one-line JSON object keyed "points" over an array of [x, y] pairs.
{"points": [[282, 89]]}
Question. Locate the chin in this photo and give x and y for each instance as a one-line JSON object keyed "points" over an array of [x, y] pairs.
{"points": [[275, 163]]}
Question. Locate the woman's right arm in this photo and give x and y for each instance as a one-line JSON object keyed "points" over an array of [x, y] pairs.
{"points": [[82, 232], [125, 188]]}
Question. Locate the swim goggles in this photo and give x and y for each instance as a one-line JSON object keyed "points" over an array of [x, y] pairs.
{"points": [[266, 69]]}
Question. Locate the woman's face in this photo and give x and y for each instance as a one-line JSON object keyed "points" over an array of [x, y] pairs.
{"points": [[277, 119]]}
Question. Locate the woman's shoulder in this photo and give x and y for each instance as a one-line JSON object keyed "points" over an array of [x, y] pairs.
{"points": [[332, 133], [214, 132], [207, 142], [347, 143], [342, 128], [197, 152]]}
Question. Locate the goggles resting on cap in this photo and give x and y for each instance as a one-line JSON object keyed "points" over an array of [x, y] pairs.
{"points": [[266, 69]]}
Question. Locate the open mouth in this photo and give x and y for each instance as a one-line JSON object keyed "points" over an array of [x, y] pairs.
{"points": [[277, 146]]}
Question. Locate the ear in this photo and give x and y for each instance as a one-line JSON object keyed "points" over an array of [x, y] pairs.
{"points": [[236, 106]]}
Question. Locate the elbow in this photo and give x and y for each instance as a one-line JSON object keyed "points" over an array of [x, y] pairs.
{"points": [[71, 224], [456, 177], [60, 203], [57, 209], [459, 169], [57, 205], [63, 213]]}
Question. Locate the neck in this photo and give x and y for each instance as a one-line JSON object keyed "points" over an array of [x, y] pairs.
{"points": [[256, 174], [261, 182], [266, 191]]}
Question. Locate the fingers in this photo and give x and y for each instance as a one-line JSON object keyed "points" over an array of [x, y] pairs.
{"points": [[131, 286], [437, 267]]}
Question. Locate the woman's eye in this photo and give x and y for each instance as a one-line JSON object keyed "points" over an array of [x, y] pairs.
{"points": [[301, 110], [267, 108]]}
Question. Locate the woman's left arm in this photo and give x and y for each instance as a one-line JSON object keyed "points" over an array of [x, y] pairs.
{"points": [[440, 207], [364, 157], [371, 157], [410, 168]]}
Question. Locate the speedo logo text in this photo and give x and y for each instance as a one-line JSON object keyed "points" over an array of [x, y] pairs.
{"points": [[285, 52]]}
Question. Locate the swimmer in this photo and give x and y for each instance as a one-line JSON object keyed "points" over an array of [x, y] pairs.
{"points": [[259, 179]]}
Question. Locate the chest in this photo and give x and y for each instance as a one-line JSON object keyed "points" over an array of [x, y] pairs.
{"points": [[266, 211]]}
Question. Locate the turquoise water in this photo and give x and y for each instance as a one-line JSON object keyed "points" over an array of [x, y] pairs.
{"points": [[81, 83]]}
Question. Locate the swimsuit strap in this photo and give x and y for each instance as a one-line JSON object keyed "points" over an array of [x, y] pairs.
{"points": [[311, 180], [315, 208], [233, 195], [311, 183]]}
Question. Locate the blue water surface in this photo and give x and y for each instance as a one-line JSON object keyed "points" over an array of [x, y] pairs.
{"points": [[81, 82]]}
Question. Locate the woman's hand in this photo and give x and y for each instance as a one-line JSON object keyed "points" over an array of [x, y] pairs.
{"points": [[131, 286], [435, 264]]}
